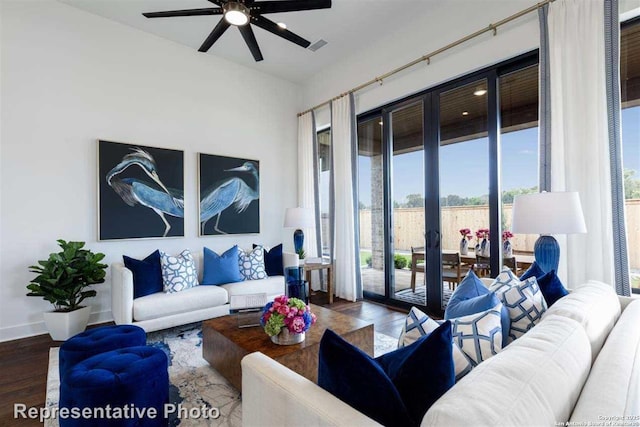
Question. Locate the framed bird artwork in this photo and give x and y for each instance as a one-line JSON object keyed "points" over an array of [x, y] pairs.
{"points": [[141, 191], [229, 195]]}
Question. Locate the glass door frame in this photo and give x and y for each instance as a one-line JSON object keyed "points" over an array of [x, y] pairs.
{"points": [[430, 99]]}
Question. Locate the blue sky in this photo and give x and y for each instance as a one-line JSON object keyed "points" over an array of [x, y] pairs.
{"points": [[464, 167]]}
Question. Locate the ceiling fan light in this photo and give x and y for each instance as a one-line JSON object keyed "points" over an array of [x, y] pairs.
{"points": [[236, 13]]}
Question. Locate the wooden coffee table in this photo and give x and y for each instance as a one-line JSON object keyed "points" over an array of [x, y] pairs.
{"points": [[224, 344]]}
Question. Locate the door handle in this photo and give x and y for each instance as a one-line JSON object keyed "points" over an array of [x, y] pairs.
{"points": [[437, 233]]}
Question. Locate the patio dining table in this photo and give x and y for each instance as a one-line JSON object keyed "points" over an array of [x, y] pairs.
{"points": [[524, 261]]}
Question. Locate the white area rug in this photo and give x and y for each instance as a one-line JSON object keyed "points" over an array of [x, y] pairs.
{"points": [[193, 382]]}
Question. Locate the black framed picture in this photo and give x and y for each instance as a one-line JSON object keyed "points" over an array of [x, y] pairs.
{"points": [[141, 191], [229, 195]]}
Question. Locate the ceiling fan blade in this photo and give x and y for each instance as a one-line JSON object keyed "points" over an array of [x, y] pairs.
{"points": [[218, 2], [250, 39], [290, 5], [272, 27], [187, 12], [215, 35]]}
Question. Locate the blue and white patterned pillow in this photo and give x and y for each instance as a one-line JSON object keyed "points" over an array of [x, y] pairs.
{"points": [[523, 299], [252, 264], [178, 273], [476, 337]]}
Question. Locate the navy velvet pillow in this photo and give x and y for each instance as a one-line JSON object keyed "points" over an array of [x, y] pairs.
{"points": [[273, 260], [395, 389], [147, 274], [221, 269], [533, 271], [551, 288]]}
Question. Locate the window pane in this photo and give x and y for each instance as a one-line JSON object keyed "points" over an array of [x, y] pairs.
{"points": [[324, 187], [464, 180], [519, 154], [371, 205], [630, 90], [407, 193]]}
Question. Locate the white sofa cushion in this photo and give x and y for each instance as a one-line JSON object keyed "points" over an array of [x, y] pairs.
{"points": [[536, 380], [272, 286], [595, 306], [613, 388], [161, 304]]}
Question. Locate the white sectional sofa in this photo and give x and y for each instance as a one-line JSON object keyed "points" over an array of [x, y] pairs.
{"points": [[162, 310], [579, 364]]}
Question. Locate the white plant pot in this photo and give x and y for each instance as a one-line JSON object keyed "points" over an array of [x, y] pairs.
{"points": [[64, 325]]}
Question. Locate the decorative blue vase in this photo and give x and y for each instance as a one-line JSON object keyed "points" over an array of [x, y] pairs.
{"points": [[464, 246], [507, 249], [298, 240]]}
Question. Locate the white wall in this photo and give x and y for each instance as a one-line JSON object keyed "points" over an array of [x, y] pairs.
{"points": [[68, 78]]}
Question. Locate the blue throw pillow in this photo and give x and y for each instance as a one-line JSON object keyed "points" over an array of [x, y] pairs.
{"points": [[221, 269], [533, 271], [147, 274], [273, 261], [396, 389], [551, 287], [471, 297]]}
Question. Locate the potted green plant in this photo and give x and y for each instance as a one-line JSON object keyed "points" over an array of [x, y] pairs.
{"points": [[62, 280]]}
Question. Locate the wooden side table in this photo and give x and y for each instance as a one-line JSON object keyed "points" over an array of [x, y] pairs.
{"points": [[308, 268]]}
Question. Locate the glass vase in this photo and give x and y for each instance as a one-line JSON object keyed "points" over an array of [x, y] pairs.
{"points": [[464, 246]]}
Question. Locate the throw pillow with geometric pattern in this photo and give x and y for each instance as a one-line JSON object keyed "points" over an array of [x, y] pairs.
{"points": [[523, 299], [252, 264], [178, 273], [476, 337]]}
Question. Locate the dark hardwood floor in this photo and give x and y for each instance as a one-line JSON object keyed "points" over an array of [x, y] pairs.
{"points": [[24, 362]]}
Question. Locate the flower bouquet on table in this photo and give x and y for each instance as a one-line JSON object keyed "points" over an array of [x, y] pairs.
{"points": [[286, 320], [507, 249]]}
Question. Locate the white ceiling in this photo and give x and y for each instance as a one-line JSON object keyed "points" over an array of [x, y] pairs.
{"points": [[348, 26]]}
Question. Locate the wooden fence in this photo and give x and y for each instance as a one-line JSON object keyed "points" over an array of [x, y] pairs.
{"points": [[409, 228]]}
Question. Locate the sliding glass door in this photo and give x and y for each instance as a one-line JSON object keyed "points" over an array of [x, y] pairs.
{"points": [[429, 170]]}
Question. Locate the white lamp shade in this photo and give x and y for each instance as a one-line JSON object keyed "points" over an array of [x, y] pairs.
{"points": [[299, 218], [548, 213]]}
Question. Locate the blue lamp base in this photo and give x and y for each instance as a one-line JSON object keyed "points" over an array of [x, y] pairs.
{"points": [[298, 240], [547, 253]]}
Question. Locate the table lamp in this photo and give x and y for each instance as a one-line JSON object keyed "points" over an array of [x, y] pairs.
{"points": [[299, 218], [545, 214]]}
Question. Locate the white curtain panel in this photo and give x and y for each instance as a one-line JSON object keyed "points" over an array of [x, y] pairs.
{"points": [[306, 186], [579, 147], [342, 134]]}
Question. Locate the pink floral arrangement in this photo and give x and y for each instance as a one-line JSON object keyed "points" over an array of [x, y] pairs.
{"points": [[465, 232], [482, 233], [291, 313], [506, 235]]}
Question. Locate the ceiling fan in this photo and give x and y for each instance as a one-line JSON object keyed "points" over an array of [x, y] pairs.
{"points": [[239, 13]]}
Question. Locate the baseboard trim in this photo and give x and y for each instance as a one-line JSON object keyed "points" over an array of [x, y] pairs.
{"points": [[33, 329]]}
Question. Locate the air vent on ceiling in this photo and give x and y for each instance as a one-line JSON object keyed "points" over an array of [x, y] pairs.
{"points": [[317, 45]]}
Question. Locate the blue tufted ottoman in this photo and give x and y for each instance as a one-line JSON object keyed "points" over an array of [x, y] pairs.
{"points": [[121, 388], [96, 341]]}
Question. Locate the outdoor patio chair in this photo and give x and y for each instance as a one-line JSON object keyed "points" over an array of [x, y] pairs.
{"points": [[511, 263], [482, 267], [452, 271], [417, 254]]}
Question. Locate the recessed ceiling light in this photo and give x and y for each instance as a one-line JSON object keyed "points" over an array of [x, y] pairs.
{"points": [[380, 122], [480, 92], [282, 25], [465, 113]]}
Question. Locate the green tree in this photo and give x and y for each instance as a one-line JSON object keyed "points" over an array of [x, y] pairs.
{"points": [[414, 201], [631, 185]]}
